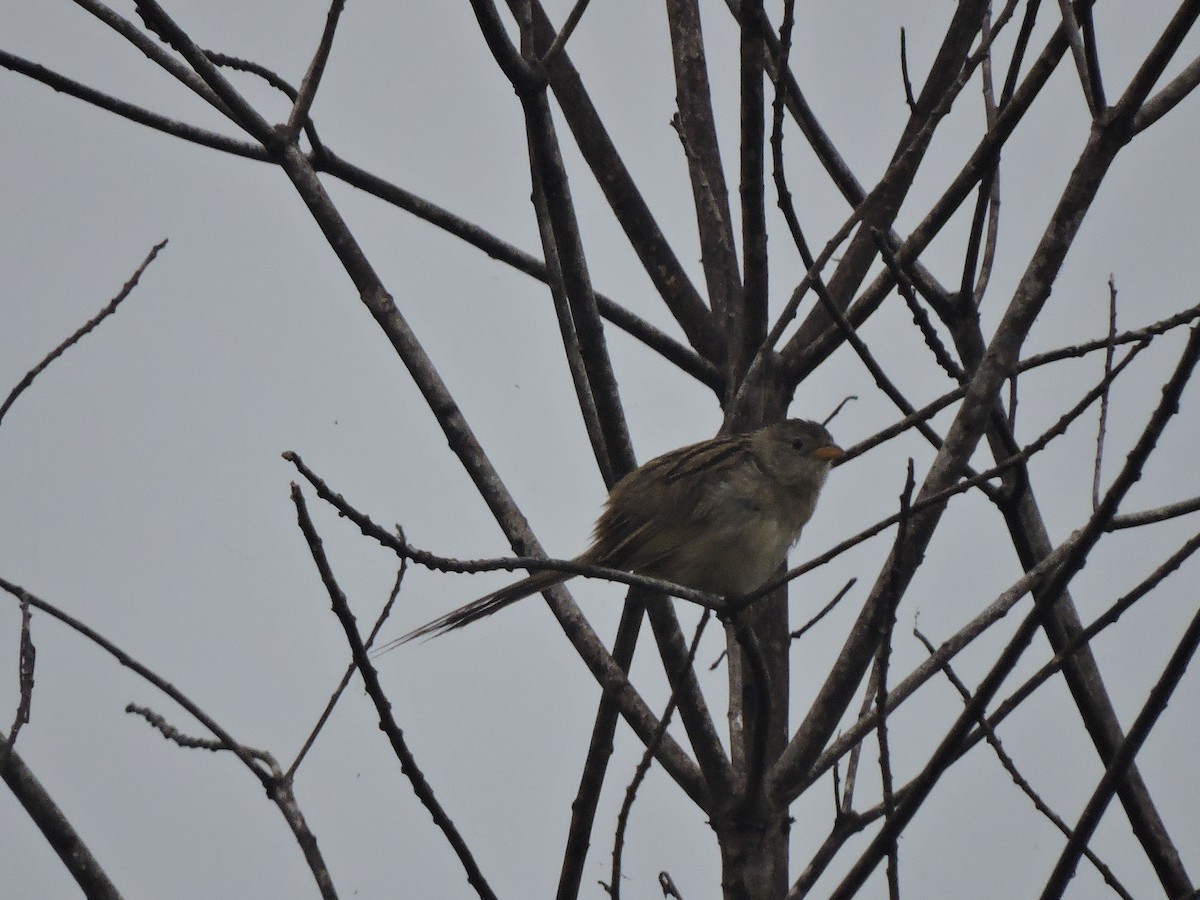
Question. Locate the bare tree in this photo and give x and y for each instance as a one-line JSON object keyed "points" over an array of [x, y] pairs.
{"points": [[750, 778]]}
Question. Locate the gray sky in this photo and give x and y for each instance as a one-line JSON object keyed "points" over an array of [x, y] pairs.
{"points": [[144, 491]]}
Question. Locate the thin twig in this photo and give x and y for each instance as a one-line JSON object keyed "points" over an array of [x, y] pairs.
{"points": [[326, 161], [886, 625], [223, 97], [279, 791], [935, 500], [1159, 514], [134, 113], [1108, 360], [312, 78], [1085, 635], [404, 550], [560, 40], [825, 610], [1092, 92], [1057, 581], [1019, 780], [173, 734], [241, 64], [783, 196], [905, 286], [908, 90], [1184, 317], [866, 712], [1155, 705], [643, 766], [595, 765], [383, 706], [107, 311], [26, 662], [803, 629], [350, 670], [145, 673], [987, 206]]}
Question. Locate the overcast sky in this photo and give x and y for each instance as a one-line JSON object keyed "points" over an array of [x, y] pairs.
{"points": [[143, 489]]}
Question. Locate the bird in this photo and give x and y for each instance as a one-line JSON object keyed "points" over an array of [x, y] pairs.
{"points": [[718, 516]]}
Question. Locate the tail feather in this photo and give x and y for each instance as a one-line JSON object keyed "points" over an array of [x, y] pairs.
{"points": [[481, 608]]}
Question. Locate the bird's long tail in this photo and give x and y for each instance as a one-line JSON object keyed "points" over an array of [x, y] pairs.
{"points": [[478, 609]]}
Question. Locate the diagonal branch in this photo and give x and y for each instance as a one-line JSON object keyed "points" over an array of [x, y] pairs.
{"points": [[464, 444], [563, 246], [689, 698], [383, 706], [312, 78], [800, 358], [748, 321], [1169, 97], [697, 131], [86, 328], [633, 214], [643, 766], [156, 54], [232, 103], [1089, 74], [278, 791], [1052, 588], [327, 161], [1122, 760], [595, 766], [555, 49], [130, 111], [55, 827], [969, 425], [948, 74], [1009, 766]]}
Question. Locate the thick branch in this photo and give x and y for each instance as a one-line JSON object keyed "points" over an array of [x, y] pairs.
{"points": [[626, 201], [465, 445], [960, 441], [697, 129], [54, 826]]}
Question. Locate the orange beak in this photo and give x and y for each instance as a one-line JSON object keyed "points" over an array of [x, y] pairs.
{"points": [[831, 452]]}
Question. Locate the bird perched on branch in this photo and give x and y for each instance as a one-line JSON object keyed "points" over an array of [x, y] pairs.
{"points": [[718, 516]]}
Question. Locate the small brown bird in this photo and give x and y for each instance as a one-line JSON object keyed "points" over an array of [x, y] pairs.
{"points": [[718, 516]]}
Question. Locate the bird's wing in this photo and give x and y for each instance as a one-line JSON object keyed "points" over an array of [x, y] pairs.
{"points": [[676, 496]]}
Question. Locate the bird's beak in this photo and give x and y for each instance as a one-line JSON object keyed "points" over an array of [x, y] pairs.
{"points": [[829, 452]]}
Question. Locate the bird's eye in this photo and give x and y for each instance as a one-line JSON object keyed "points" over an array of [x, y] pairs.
{"points": [[798, 444]]}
